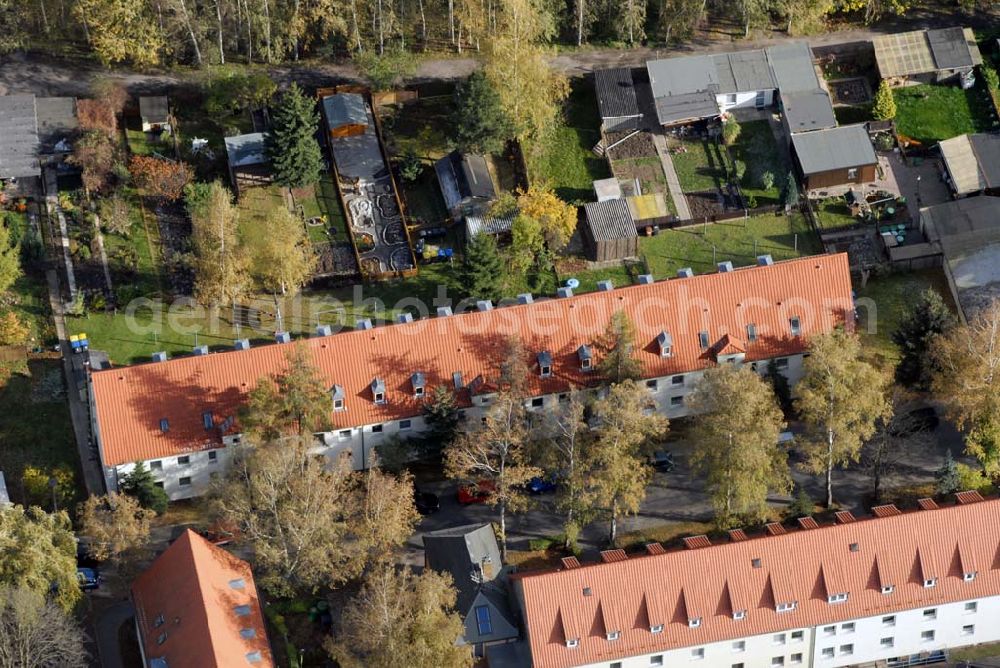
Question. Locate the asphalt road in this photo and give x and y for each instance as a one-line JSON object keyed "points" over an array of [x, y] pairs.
{"points": [[678, 496]]}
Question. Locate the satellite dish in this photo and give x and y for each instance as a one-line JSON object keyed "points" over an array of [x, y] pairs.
{"points": [[572, 283]]}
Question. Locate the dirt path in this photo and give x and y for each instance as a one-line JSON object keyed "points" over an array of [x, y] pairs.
{"points": [[44, 76]]}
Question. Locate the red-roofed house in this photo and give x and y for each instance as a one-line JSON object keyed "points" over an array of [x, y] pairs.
{"points": [[178, 416], [196, 606], [887, 591]]}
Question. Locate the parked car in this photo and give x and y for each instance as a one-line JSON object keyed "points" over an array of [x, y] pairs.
{"points": [[662, 461], [475, 493], [89, 578], [425, 502], [543, 484]]}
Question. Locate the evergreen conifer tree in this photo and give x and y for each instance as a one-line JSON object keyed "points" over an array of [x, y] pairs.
{"points": [[482, 271], [290, 145], [924, 320], [884, 105], [139, 483]]}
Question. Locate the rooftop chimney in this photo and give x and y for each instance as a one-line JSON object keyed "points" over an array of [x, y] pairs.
{"points": [[404, 317], [764, 260], [686, 272], [282, 337], [241, 344], [200, 350], [725, 267], [363, 323], [160, 356], [525, 298], [324, 330], [444, 311], [605, 286], [564, 292], [645, 279], [484, 305]]}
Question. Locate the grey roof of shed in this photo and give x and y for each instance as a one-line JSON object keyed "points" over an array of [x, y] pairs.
{"points": [[718, 73], [154, 109], [345, 109], [808, 110], [478, 223], [462, 176], [963, 224], [56, 117], [920, 51], [836, 148], [18, 137], [610, 220], [793, 67], [245, 150], [952, 49], [972, 161], [615, 93]]}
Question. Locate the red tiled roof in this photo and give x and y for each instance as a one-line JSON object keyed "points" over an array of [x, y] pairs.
{"points": [[888, 510], [695, 542], [736, 535], [927, 504], [195, 588], [132, 401], [968, 497], [799, 567], [808, 523]]}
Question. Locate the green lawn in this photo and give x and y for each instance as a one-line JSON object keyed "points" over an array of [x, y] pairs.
{"points": [[702, 167], [422, 126], [759, 151], [565, 162], [35, 426], [884, 300], [832, 213], [930, 113], [148, 272], [738, 241], [619, 275]]}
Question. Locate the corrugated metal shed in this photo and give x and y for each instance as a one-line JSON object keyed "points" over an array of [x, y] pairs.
{"points": [[610, 220], [18, 137], [464, 176], [922, 51], [972, 162], [953, 48], [479, 223], [830, 150], [616, 93], [154, 109]]}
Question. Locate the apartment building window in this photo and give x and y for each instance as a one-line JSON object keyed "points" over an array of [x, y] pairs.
{"points": [[889, 621], [971, 607], [677, 380], [241, 610], [927, 636], [694, 622], [751, 333], [613, 635], [848, 627], [785, 607], [739, 614], [656, 660], [156, 465], [777, 660], [656, 629], [846, 650], [248, 634], [405, 424], [797, 636], [828, 652], [184, 460], [837, 598], [213, 456], [730, 98], [740, 646], [968, 629], [254, 657], [651, 384], [698, 654], [737, 665], [829, 631], [184, 482], [929, 614], [796, 658], [795, 325], [781, 363], [676, 401], [159, 483], [564, 398], [616, 664], [538, 402], [376, 429], [969, 577], [930, 582], [344, 434], [888, 589], [779, 639], [573, 643]]}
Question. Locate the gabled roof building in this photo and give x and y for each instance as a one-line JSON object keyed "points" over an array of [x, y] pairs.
{"points": [[180, 415], [197, 606], [895, 590], [930, 56], [18, 137]]}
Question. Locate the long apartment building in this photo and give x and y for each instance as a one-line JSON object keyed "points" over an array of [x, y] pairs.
{"points": [[178, 416], [898, 589]]}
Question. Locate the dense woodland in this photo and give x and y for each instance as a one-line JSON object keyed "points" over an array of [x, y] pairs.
{"points": [[144, 33]]}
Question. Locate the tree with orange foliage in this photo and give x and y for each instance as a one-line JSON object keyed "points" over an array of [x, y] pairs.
{"points": [[97, 115], [160, 178], [94, 154]]}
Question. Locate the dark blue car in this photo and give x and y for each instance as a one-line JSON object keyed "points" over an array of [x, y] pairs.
{"points": [[542, 485], [88, 578]]}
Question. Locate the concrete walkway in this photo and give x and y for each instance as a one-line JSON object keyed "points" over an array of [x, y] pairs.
{"points": [[673, 183]]}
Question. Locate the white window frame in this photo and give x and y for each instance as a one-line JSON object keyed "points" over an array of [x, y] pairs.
{"points": [[573, 643], [888, 589], [657, 628], [930, 582], [614, 635], [969, 577], [694, 622], [837, 598]]}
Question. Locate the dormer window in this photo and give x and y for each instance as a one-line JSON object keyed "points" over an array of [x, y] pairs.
{"points": [[930, 582], [969, 577], [586, 358], [694, 622], [837, 598], [572, 643], [703, 340], [666, 343], [888, 589], [337, 394], [164, 425], [739, 614], [656, 629], [795, 325], [418, 384], [613, 635], [751, 333], [378, 390], [785, 607], [544, 364]]}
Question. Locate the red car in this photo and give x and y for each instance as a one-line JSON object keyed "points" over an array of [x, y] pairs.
{"points": [[476, 493]]}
